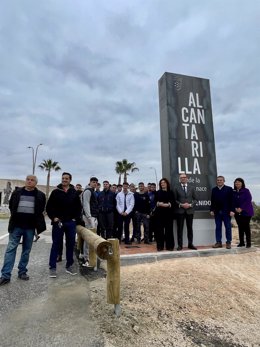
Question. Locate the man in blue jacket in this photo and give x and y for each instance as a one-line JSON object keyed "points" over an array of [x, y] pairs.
{"points": [[222, 209], [106, 206]]}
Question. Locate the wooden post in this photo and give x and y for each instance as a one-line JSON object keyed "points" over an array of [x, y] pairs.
{"points": [[101, 246], [109, 250], [113, 276]]}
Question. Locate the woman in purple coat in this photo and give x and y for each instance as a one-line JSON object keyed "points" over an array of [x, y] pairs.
{"points": [[242, 200]]}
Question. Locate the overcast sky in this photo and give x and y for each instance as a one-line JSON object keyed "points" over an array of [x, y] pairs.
{"points": [[81, 77]]}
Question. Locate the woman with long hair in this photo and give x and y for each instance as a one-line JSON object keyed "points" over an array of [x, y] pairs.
{"points": [[164, 199], [244, 211]]}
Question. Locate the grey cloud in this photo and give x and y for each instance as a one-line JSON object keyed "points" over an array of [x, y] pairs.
{"points": [[82, 80]]}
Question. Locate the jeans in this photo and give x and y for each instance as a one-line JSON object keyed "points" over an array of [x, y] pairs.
{"points": [[226, 219], [141, 218], [10, 253], [69, 229]]}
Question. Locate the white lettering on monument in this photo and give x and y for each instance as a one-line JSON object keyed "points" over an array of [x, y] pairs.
{"points": [[191, 116]]}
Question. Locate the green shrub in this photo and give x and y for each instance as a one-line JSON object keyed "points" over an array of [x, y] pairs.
{"points": [[256, 217]]}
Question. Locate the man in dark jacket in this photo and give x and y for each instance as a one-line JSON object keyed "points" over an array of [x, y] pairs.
{"points": [[142, 213], [26, 206], [222, 209], [106, 206], [186, 200], [64, 210]]}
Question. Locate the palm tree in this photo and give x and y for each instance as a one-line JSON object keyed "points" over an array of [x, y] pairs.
{"points": [[123, 167], [49, 165]]}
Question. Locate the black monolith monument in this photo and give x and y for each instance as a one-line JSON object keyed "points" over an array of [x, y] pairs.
{"points": [[187, 136]]}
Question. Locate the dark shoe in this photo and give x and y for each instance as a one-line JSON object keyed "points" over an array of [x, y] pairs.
{"points": [[71, 270], [241, 245], [139, 242], [192, 247], [179, 248], [53, 273], [159, 249], [248, 245], [217, 245], [4, 281], [59, 258], [228, 245], [128, 243], [169, 249], [147, 242], [24, 277]]}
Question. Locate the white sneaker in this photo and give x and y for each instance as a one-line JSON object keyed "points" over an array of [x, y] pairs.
{"points": [[86, 264]]}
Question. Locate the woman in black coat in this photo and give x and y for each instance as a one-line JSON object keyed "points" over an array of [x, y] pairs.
{"points": [[165, 200]]}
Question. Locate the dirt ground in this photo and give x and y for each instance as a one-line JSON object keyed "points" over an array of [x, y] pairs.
{"points": [[211, 301]]}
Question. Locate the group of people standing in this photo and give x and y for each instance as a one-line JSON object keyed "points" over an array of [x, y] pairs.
{"points": [[227, 202], [111, 211]]}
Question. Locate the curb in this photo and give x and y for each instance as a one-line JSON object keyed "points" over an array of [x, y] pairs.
{"points": [[144, 258]]}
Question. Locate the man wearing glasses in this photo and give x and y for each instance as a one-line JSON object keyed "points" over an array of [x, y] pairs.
{"points": [[186, 200]]}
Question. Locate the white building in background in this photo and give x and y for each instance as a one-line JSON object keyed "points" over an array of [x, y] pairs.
{"points": [[7, 186]]}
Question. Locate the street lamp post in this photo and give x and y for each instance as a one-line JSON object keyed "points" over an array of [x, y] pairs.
{"points": [[34, 156], [153, 168]]}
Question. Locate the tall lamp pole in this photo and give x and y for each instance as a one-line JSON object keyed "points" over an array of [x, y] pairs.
{"points": [[34, 156], [155, 172]]}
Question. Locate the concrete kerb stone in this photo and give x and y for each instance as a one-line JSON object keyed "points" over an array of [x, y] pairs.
{"points": [[134, 259]]}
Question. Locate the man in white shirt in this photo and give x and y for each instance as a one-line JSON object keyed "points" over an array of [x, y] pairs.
{"points": [[124, 204]]}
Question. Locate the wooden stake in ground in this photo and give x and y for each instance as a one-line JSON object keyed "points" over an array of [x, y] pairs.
{"points": [[113, 276]]}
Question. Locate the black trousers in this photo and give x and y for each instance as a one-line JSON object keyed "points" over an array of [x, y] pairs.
{"points": [[164, 232], [106, 224], [243, 223], [123, 223], [180, 224]]}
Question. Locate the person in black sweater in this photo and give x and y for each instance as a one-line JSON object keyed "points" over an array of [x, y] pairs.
{"points": [[106, 206], [142, 213], [64, 210], [165, 201]]}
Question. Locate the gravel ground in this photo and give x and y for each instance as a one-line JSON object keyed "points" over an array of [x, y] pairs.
{"points": [[208, 302]]}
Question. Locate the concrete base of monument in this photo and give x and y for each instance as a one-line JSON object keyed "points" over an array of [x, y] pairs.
{"points": [[203, 232]]}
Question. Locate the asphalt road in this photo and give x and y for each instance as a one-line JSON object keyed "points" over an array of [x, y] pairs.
{"points": [[3, 228], [45, 311]]}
